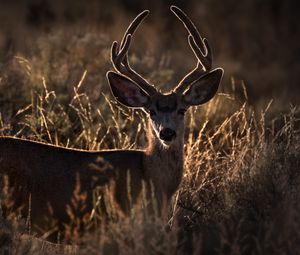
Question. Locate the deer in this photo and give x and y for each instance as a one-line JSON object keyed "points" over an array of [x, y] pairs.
{"points": [[47, 173]]}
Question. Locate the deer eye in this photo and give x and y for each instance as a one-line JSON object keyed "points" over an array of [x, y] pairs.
{"points": [[152, 113], [181, 111]]}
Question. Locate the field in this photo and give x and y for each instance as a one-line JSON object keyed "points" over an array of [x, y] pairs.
{"points": [[241, 188]]}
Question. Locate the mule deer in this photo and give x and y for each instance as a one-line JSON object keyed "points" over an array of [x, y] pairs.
{"points": [[47, 173]]}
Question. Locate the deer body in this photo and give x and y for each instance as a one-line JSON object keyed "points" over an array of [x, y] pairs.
{"points": [[48, 173]]}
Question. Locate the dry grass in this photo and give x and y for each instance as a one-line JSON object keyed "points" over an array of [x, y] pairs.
{"points": [[241, 186], [239, 193]]}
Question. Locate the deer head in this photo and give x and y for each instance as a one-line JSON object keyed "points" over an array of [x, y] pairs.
{"points": [[165, 111]]}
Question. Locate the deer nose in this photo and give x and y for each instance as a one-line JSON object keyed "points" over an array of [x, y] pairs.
{"points": [[167, 134]]}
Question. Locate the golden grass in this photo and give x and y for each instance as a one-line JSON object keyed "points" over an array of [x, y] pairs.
{"points": [[240, 190]]}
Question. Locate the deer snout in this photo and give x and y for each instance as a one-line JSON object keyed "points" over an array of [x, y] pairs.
{"points": [[167, 134]]}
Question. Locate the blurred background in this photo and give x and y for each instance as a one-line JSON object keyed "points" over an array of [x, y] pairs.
{"points": [[255, 41], [242, 165]]}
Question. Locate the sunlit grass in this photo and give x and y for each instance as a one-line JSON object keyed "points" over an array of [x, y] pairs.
{"points": [[240, 190], [241, 169]]}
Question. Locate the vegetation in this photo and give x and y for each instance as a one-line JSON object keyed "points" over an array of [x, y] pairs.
{"points": [[241, 188]]}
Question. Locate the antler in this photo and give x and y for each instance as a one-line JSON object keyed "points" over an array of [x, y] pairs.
{"points": [[119, 55], [200, 47]]}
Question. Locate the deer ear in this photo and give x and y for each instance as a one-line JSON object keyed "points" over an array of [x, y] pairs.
{"points": [[203, 89], [126, 91]]}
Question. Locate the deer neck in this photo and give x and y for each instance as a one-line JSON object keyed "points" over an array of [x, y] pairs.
{"points": [[164, 164]]}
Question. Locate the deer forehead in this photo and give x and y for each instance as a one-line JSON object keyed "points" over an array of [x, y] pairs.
{"points": [[166, 102]]}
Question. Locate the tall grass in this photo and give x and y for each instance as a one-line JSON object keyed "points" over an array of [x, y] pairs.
{"points": [[240, 190]]}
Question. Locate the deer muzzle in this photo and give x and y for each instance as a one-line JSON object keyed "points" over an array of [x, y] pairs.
{"points": [[167, 134]]}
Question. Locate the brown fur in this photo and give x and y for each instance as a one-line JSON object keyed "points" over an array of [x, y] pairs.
{"points": [[47, 174]]}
